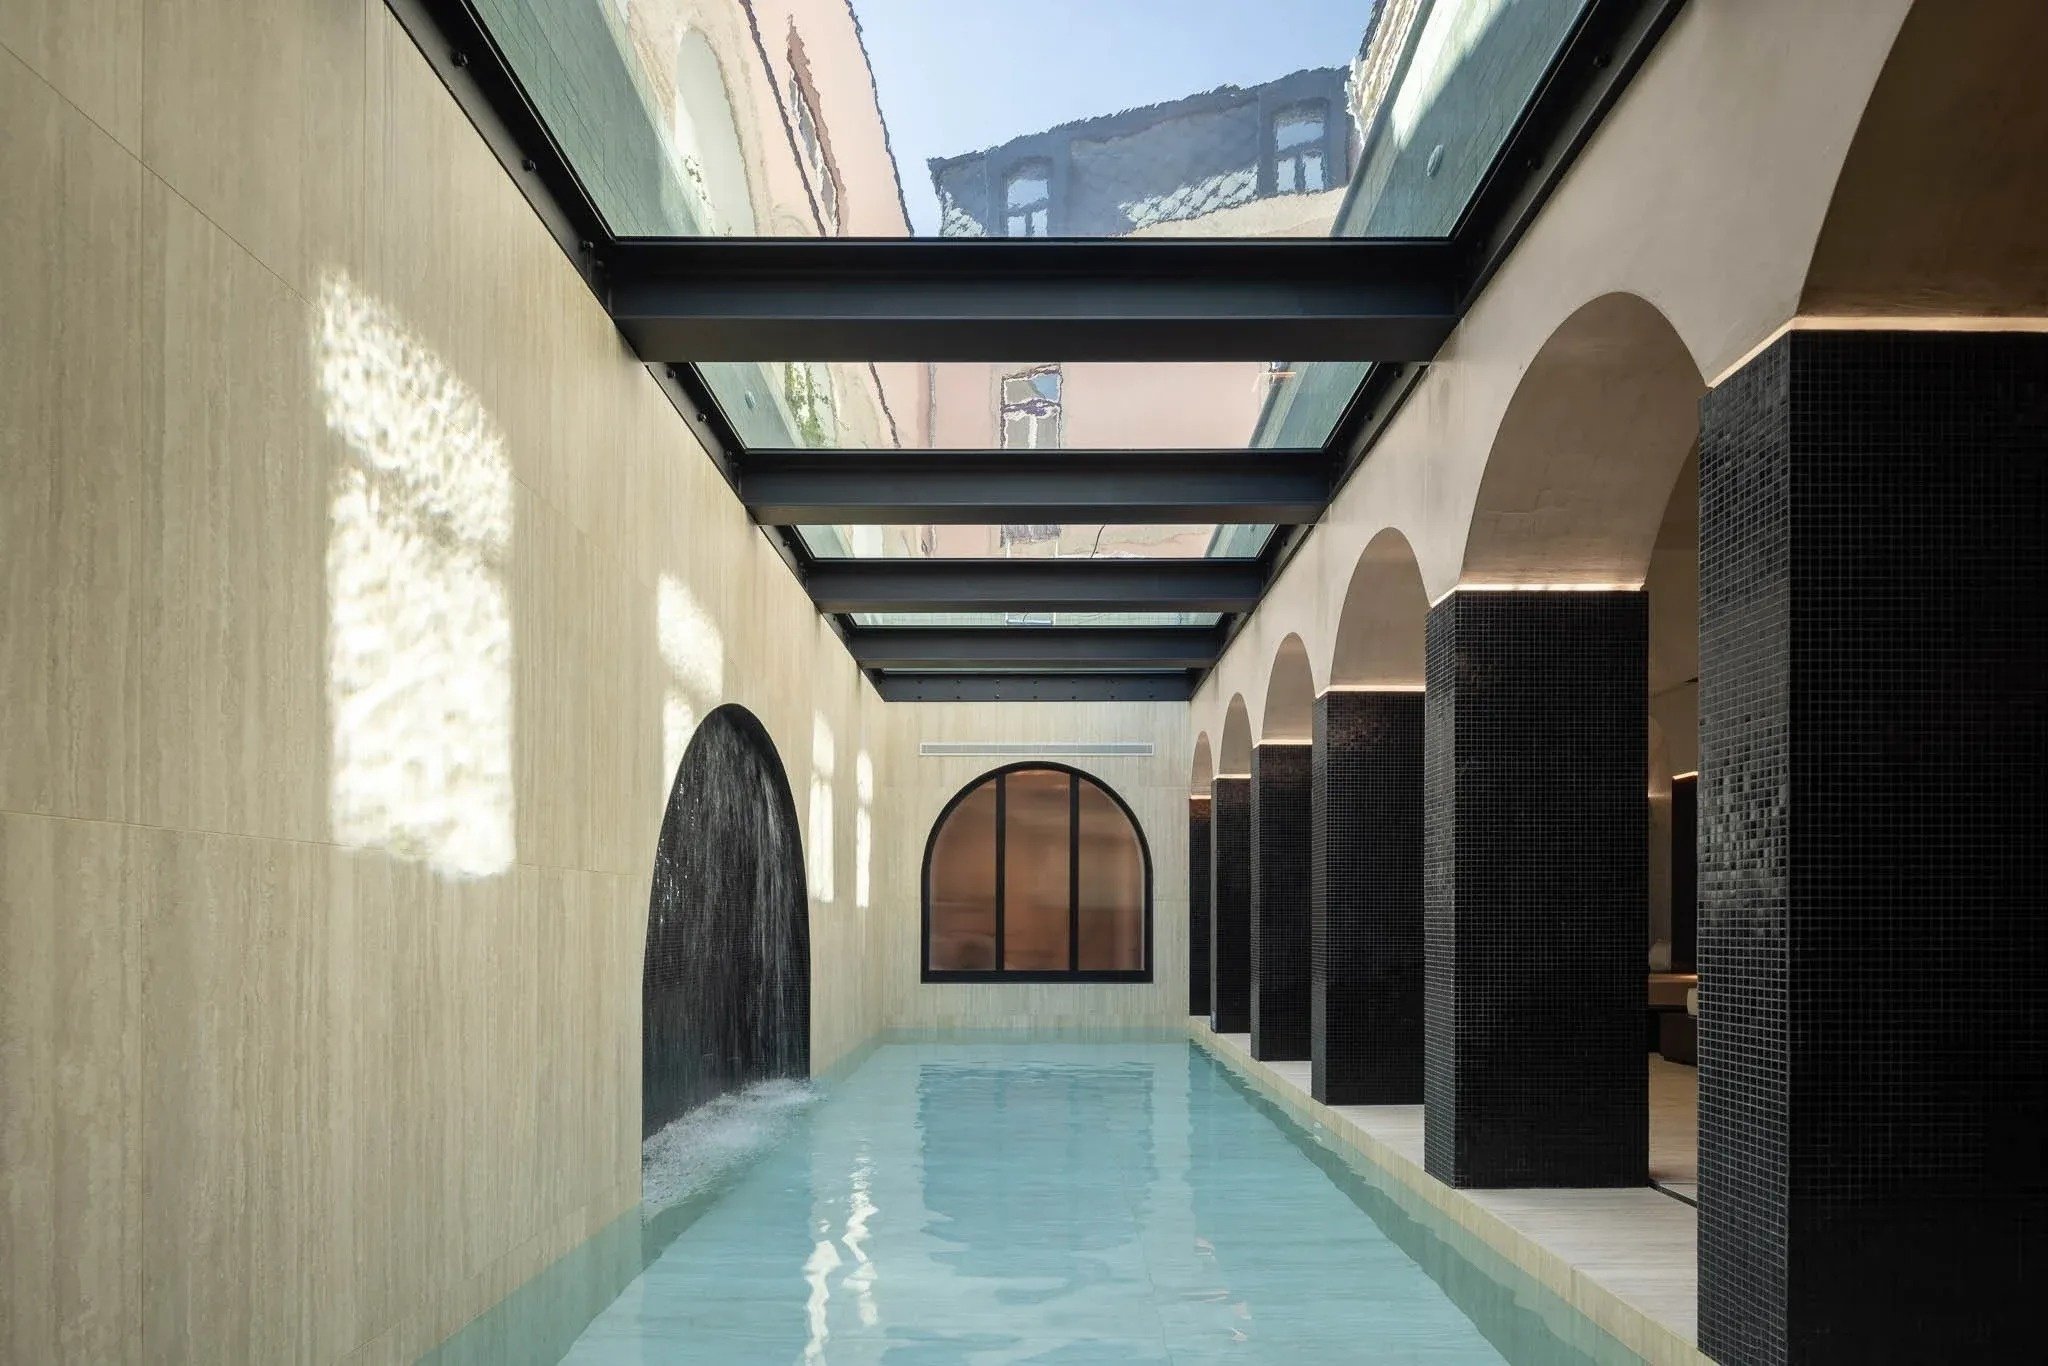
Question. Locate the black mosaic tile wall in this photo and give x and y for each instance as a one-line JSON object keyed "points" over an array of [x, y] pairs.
{"points": [[1535, 888], [1280, 900], [1365, 859], [726, 986], [1230, 905], [1873, 730], [1198, 906]]}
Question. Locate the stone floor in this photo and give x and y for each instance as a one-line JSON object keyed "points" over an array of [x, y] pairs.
{"points": [[1636, 1247]]}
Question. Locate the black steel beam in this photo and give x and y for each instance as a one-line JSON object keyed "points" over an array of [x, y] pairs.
{"points": [[1175, 686], [994, 299], [1028, 647], [1286, 488], [1034, 585]]}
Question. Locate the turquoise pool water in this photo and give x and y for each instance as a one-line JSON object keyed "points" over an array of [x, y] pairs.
{"points": [[1068, 1204]]}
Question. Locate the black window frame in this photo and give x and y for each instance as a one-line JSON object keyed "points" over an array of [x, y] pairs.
{"points": [[1139, 976]]}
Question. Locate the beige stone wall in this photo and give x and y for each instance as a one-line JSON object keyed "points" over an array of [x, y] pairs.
{"points": [[357, 593]]}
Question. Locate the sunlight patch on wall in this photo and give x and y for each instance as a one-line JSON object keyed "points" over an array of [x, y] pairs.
{"points": [[694, 651], [863, 828], [824, 762], [419, 642]]}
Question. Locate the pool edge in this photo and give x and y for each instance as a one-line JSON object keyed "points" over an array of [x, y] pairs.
{"points": [[1653, 1340]]}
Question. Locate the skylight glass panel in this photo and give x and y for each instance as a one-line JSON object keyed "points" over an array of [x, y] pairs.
{"points": [[1039, 406], [980, 118]]}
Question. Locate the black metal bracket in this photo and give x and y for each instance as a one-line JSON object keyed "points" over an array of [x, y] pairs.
{"points": [[994, 299], [1029, 647], [1277, 487], [1045, 585], [1035, 687]]}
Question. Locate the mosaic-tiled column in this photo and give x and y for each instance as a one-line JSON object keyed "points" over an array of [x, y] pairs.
{"points": [[1230, 905], [1535, 889], [1873, 732], [1365, 860], [1198, 904], [1280, 893]]}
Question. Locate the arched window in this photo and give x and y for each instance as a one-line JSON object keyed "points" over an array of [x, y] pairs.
{"points": [[1037, 872]]}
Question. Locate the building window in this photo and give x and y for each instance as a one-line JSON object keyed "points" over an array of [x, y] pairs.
{"points": [[1037, 871], [810, 140], [1298, 155], [1029, 414], [1027, 200]]}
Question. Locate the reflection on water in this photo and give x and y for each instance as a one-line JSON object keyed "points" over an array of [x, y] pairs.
{"points": [[1070, 1203], [419, 642]]}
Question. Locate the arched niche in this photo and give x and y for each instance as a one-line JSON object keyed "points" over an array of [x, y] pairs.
{"points": [[1586, 454], [1379, 628], [1203, 769], [1234, 755], [1290, 696], [1939, 204], [726, 981]]}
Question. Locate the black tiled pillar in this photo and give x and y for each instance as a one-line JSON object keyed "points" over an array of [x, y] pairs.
{"points": [[1198, 905], [1873, 733], [1365, 860], [1230, 905], [1280, 891], [1535, 884]]}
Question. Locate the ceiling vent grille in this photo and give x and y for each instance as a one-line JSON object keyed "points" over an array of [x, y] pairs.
{"points": [[994, 749]]}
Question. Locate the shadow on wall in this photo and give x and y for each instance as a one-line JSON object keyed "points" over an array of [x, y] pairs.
{"points": [[726, 990]]}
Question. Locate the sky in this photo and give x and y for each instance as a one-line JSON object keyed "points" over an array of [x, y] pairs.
{"points": [[962, 75]]}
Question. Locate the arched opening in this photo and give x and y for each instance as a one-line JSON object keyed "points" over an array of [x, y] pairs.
{"points": [[1939, 204], [1234, 755], [1037, 872], [1203, 769], [1587, 452], [1586, 487], [726, 983], [1290, 696], [1379, 628]]}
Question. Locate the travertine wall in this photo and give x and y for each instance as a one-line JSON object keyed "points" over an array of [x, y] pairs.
{"points": [[357, 595]]}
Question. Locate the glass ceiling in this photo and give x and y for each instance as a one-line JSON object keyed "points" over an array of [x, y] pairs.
{"points": [[877, 119], [1102, 405], [1061, 118], [1040, 541]]}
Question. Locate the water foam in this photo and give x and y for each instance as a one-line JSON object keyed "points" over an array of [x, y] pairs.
{"points": [[696, 1151]]}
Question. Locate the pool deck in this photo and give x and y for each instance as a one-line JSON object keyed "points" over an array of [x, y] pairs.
{"points": [[1626, 1259]]}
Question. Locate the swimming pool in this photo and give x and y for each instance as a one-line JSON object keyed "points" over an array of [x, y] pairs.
{"points": [[1063, 1203]]}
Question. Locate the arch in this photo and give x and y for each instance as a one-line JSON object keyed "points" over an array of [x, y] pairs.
{"points": [[1234, 755], [1379, 627], [1938, 206], [1290, 695], [1036, 871], [707, 141], [1204, 767], [1587, 450], [726, 981]]}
